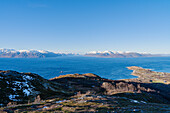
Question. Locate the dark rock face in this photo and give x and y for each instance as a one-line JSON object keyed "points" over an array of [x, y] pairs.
{"points": [[21, 87]]}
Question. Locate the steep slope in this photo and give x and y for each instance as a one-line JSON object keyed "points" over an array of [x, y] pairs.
{"points": [[21, 87]]}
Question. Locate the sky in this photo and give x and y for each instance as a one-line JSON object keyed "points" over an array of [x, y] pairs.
{"points": [[86, 25]]}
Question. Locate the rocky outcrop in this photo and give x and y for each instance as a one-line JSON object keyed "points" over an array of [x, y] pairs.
{"points": [[24, 87]]}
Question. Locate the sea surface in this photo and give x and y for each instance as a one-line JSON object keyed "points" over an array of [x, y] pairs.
{"points": [[111, 68]]}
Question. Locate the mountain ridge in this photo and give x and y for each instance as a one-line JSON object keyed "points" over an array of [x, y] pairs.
{"points": [[12, 53], [118, 54]]}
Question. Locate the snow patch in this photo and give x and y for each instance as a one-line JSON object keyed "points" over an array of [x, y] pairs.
{"points": [[12, 97], [27, 77], [143, 102], [45, 107], [60, 101], [27, 91], [24, 86], [135, 101], [109, 52]]}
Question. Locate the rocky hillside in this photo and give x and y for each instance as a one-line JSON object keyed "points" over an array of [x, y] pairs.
{"points": [[81, 93], [93, 83], [24, 87]]}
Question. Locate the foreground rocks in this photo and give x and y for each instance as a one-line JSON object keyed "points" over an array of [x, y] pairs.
{"points": [[24, 87], [83, 83], [84, 92]]}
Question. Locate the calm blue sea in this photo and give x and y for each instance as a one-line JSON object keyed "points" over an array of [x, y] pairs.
{"points": [[111, 68]]}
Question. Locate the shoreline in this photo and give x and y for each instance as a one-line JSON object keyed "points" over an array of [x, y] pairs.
{"points": [[149, 76]]}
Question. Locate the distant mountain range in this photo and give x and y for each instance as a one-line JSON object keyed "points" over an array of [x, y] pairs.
{"points": [[12, 53], [118, 54]]}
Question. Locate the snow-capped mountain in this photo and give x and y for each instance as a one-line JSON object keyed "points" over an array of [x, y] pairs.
{"points": [[12, 53], [117, 54]]}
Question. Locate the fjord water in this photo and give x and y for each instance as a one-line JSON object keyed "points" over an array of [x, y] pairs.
{"points": [[111, 68]]}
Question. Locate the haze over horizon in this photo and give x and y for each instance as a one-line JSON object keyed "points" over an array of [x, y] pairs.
{"points": [[89, 52], [86, 25]]}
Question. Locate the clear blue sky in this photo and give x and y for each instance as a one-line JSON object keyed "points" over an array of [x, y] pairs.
{"points": [[86, 25]]}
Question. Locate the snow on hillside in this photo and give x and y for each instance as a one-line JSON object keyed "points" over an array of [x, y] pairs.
{"points": [[109, 52], [2, 50], [12, 53], [118, 54]]}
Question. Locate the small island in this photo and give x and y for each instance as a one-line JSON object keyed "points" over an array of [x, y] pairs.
{"points": [[29, 92]]}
